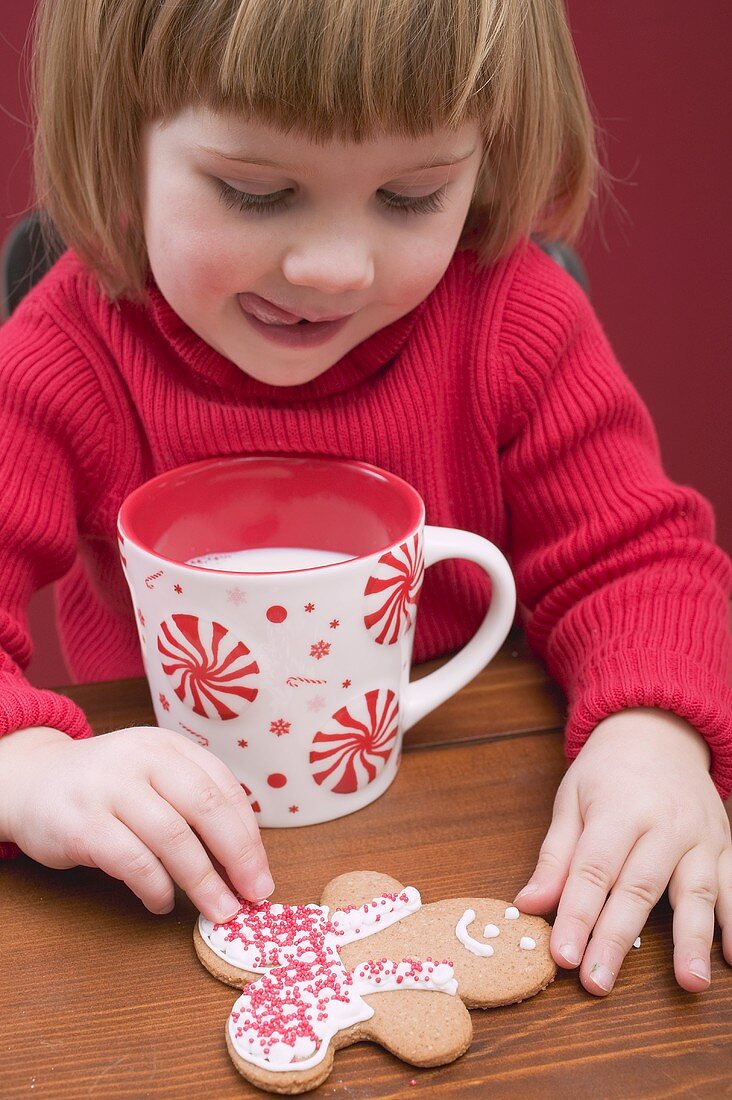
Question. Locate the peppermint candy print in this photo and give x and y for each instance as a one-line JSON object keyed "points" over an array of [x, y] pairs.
{"points": [[208, 666], [348, 759], [253, 802], [392, 593]]}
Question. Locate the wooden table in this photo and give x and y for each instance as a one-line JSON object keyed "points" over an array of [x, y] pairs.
{"points": [[98, 998]]}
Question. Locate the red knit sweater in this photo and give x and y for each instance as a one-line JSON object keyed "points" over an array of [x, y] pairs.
{"points": [[498, 398]]}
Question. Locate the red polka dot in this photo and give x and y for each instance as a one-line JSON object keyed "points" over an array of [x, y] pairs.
{"points": [[276, 614], [276, 779]]}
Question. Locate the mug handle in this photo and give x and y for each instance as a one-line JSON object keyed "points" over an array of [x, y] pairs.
{"points": [[424, 695]]}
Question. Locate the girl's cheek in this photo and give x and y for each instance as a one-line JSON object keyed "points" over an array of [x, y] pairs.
{"points": [[202, 255]]}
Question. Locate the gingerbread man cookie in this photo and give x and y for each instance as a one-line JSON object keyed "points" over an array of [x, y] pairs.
{"points": [[315, 978]]}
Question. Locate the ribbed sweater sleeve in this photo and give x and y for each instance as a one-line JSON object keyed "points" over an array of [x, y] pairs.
{"points": [[38, 534], [623, 591], [37, 512]]}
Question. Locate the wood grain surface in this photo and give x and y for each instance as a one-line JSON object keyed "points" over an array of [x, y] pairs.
{"points": [[98, 998]]}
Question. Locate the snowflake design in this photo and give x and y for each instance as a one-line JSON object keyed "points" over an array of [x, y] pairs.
{"points": [[294, 809], [309, 607], [236, 596], [177, 588], [163, 702], [346, 683], [243, 744], [320, 649], [280, 726], [317, 703], [334, 624]]}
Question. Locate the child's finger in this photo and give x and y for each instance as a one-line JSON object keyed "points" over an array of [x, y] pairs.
{"points": [[693, 894], [724, 902], [637, 888], [543, 890], [120, 853], [241, 854], [160, 822], [181, 803], [599, 855]]}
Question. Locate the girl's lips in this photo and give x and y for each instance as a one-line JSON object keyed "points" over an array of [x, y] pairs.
{"points": [[265, 311], [290, 334], [269, 313]]}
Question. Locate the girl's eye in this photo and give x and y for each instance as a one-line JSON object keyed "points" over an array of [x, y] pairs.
{"points": [[426, 204], [262, 204], [268, 204]]}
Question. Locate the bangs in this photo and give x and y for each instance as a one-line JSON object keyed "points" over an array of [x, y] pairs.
{"points": [[332, 69]]}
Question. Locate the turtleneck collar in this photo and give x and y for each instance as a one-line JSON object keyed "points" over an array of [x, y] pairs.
{"points": [[358, 364]]}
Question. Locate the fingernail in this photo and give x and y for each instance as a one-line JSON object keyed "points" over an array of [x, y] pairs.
{"points": [[263, 886], [602, 976], [570, 953], [530, 888], [227, 908], [700, 969]]}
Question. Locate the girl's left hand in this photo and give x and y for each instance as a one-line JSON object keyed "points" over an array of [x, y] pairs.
{"points": [[635, 812]]}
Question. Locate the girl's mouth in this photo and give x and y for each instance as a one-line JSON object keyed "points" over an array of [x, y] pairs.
{"points": [[293, 332]]}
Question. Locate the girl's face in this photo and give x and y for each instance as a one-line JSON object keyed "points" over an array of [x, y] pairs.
{"points": [[238, 214]]}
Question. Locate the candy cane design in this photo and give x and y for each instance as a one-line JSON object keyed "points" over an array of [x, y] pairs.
{"points": [[203, 741], [352, 758], [392, 593], [153, 577], [207, 664], [295, 681]]}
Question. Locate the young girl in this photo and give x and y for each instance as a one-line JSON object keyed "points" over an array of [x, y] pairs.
{"points": [[306, 227]]}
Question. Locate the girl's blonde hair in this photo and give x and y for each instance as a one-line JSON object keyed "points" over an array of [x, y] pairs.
{"points": [[343, 69]]}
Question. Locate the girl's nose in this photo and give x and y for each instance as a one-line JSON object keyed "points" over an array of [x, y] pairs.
{"points": [[333, 265]]}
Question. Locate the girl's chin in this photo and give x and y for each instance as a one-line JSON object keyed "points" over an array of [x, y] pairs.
{"points": [[281, 376]]}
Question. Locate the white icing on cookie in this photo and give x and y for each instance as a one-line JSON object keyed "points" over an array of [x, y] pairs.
{"points": [[287, 1017], [260, 937], [637, 942], [377, 977], [355, 922], [490, 931], [527, 943], [461, 931], [512, 913]]}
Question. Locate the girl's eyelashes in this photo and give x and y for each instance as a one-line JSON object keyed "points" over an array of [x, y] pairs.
{"points": [[276, 200], [425, 204]]}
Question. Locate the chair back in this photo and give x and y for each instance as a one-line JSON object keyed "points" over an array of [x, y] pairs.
{"points": [[26, 256]]}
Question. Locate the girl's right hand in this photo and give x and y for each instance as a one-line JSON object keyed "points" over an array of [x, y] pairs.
{"points": [[134, 803]]}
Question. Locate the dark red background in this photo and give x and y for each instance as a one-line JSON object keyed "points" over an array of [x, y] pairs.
{"points": [[659, 262]]}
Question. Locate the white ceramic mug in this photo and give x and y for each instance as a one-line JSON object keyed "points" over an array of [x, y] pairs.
{"points": [[297, 677]]}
